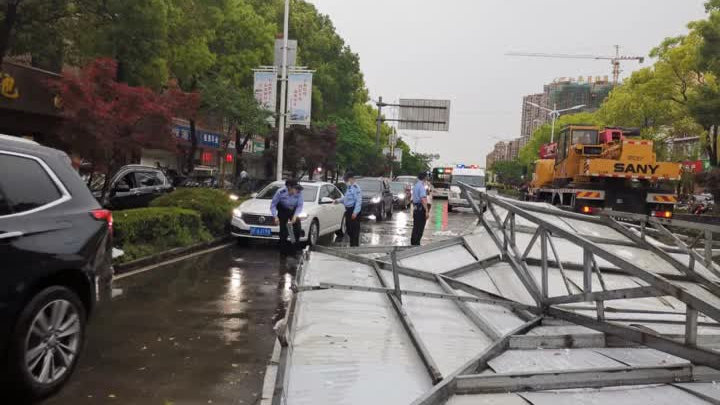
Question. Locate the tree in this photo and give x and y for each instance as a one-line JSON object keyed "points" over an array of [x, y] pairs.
{"points": [[133, 32], [108, 122], [306, 149], [705, 106], [509, 172], [34, 27], [238, 108]]}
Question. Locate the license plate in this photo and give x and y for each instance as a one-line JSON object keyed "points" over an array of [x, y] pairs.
{"points": [[254, 231]]}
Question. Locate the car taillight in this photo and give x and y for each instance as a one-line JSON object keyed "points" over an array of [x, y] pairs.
{"points": [[103, 215], [662, 214]]}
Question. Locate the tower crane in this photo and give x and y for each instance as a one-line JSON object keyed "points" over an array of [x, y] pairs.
{"points": [[614, 60]]}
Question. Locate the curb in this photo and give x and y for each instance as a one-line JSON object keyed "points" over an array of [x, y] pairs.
{"points": [[167, 255]]}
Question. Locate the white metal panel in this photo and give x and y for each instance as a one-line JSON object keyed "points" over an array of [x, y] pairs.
{"points": [[441, 260], [517, 361], [596, 230], [331, 269], [710, 390], [641, 395], [449, 335], [480, 279], [508, 283], [642, 258], [487, 399], [499, 317], [641, 357], [481, 245], [562, 330], [350, 348]]}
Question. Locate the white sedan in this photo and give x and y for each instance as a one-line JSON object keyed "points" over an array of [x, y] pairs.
{"points": [[252, 219]]}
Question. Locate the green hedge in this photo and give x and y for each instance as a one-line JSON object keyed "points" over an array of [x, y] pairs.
{"points": [[145, 231], [214, 206]]}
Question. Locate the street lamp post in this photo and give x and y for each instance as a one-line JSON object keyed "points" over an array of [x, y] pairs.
{"points": [[283, 92], [555, 113]]}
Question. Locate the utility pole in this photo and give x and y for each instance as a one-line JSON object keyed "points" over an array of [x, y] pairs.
{"points": [[380, 105], [283, 93]]}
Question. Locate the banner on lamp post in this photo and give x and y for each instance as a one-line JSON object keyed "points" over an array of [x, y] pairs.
{"points": [[265, 89], [299, 98]]}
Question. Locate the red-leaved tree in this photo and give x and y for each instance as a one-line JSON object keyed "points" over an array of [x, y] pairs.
{"points": [[108, 123]]}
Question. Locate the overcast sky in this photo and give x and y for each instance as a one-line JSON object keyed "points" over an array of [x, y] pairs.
{"points": [[455, 49]]}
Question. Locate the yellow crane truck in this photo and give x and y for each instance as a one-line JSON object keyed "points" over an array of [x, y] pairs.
{"points": [[591, 169]]}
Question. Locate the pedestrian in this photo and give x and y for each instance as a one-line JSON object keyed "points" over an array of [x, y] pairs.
{"points": [[421, 213], [353, 204], [286, 205]]}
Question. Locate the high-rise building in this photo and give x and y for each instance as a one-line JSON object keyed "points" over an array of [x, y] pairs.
{"points": [[498, 154], [532, 117], [513, 149]]}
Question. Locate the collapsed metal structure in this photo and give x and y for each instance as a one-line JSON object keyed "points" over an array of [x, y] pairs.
{"points": [[537, 306]]}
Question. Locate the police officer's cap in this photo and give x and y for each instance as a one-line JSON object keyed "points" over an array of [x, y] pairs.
{"points": [[293, 184], [348, 176]]}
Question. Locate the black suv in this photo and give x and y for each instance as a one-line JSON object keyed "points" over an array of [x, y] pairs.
{"points": [[377, 198], [56, 252]]}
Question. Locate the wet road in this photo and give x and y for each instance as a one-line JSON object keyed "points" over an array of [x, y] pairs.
{"points": [[200, 331]]}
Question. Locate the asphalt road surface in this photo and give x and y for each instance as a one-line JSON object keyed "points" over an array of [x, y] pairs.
{"points": [[200, 331]]}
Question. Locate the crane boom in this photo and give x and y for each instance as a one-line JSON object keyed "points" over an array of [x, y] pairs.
{"points": [[614, 60]]}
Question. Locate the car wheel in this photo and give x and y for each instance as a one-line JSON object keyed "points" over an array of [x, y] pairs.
{"points": [[379, 216], [450, 208], [46, 343], [313, 233]]}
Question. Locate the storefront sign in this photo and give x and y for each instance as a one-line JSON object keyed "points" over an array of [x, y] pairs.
{"points": [[299, 98], [258, 146], [7, 87], [204, 137]]}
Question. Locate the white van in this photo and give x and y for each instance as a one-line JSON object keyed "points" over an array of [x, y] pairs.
{"points": [[472, 177]]}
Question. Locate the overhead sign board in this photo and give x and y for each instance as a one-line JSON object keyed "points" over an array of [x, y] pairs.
{"points": [[424, 115], [299, 98], [292, 52]]}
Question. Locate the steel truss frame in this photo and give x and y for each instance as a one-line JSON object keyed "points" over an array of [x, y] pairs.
{"points": [[503, 232]]}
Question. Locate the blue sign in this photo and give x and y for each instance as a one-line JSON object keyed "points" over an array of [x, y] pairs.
{"points": [[204, 137]]}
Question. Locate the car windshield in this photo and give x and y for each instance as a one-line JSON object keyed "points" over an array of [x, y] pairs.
{"points": [[475, 181], [309, 192], [397, 187], [371, 186]]}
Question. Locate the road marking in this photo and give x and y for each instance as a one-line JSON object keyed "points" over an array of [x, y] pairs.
{"points": [[171, 261]]}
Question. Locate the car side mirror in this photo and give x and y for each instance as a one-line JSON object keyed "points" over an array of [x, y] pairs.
{"points": [[326, 200], [121, 188], [253, 195]]}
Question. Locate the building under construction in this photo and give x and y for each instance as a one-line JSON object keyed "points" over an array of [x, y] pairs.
{"points": [[567, 92]]}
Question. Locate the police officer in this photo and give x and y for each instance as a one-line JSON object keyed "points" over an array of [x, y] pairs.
{"points": [[286, 205], [421, 213], [353, 204]]}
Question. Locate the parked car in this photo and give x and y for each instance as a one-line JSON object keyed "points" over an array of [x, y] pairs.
{"points": [[402, 194], [377, 199], [56, 250], [133, 186], [407, 179], [320, 217]]}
